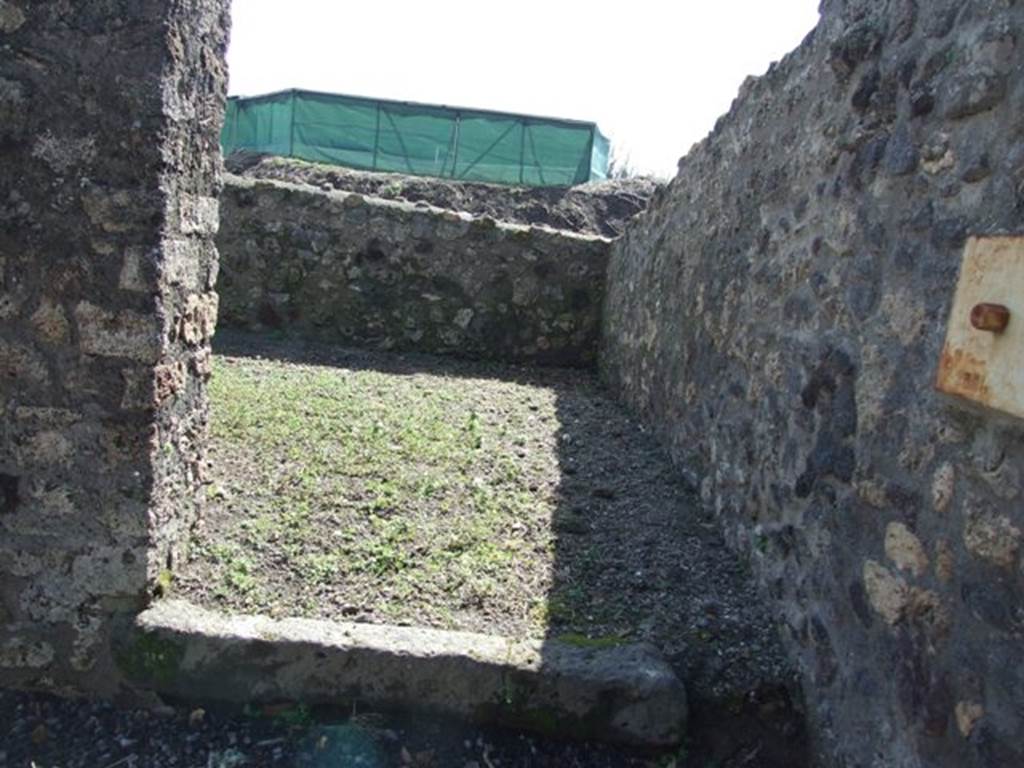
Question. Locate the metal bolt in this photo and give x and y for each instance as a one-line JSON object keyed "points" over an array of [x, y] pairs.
{"points": [[990, 317]]}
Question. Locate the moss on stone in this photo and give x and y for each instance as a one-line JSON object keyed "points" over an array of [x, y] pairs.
{"points": [[150, 657], [541, 720], [512, 708], [595, 643]]}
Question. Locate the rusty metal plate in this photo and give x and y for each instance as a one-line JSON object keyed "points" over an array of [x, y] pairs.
{"points": [[983, 358]]}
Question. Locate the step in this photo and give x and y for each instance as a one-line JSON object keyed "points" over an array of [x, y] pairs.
{"points": [[624, 694]]}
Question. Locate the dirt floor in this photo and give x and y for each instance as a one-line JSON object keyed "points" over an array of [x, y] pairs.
{"points": [[598, 208], [415, 490]]}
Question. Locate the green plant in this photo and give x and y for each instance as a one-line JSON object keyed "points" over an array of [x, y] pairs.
{"points": [[620, 164], [164, 581]]}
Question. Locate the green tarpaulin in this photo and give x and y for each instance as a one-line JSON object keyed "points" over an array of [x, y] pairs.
{"points": [[421, 139]]}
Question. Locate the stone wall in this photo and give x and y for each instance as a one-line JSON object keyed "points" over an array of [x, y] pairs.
{"points": [[108, 205], [596, 208], [392, 275], [779, 315]]}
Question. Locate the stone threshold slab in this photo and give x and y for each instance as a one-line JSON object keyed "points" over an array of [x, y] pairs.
{"points": [[626, 694]]}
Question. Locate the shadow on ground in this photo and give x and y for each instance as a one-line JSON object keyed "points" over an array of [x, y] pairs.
{"points": [[632, 558], [42, 731]]}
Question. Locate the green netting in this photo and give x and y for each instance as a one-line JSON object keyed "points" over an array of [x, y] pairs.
{"points": [[378, 135]]}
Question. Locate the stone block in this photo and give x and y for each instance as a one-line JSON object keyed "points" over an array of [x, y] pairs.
{"points": [[50, 322], [888, 594], [992, 537], [112, 333], [11, 17], [25, 654], [905, 550]]}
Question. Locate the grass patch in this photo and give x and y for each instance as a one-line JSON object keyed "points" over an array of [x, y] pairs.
{"points": [[390, 495]]}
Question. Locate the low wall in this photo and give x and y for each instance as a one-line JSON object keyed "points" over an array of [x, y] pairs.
{"points": [[374, 273], [598, 208], [779, 315]]}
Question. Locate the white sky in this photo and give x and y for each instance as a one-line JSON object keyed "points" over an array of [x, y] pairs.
{"points": [[654, 75]]}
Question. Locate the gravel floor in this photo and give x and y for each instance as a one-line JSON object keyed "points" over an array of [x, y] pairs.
{"points": [[39, 731]]}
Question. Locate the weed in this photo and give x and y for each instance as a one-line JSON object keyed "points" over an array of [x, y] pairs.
{"points": [[318, 568], [164, 581]]}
